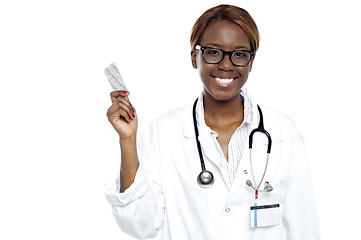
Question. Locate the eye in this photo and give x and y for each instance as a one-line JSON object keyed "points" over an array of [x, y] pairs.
{"points": [[241, 54], [212, 51]]}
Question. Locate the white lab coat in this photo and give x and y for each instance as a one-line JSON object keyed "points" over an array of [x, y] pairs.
{"points": [[165, 194]]}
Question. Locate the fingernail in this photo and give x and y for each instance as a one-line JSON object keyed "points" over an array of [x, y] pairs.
{"points": [[133, 115], [132, 110], [125, 92]]}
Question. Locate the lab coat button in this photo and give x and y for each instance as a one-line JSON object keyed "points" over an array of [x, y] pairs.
{"points": [[227, 209]]}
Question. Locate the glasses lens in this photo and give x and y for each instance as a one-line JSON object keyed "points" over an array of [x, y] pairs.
{"points": [[212, 55], [241, 58]]}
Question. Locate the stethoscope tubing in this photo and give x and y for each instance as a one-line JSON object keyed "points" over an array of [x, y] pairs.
{"points": [[197, 135], [251, 166], [261, 129]]}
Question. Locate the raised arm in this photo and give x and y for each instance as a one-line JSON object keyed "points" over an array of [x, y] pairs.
{"points": [[121, 114]]}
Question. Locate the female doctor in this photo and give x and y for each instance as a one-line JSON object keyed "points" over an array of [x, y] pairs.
{"points": [[195, 174]]}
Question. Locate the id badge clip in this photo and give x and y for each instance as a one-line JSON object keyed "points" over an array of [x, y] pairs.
{"points": [[264, 211]]}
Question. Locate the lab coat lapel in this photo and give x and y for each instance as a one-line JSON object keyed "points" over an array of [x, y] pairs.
{"points": [[207, 144], [188, 131], [209, 147]]}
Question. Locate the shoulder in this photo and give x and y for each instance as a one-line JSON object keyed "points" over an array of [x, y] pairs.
{"points": [[168, 130], [277, 116], [280, 124], [179, 114], [176, 116], [271, 116], [174, 120]]}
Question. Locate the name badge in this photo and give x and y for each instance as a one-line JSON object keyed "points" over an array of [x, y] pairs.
{"points": [[265, 215], [265, 209]]}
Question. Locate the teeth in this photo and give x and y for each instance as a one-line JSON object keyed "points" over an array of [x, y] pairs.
{"points": [[224, 81]]}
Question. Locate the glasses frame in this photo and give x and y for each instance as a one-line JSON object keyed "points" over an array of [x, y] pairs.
{"points": [[202, 48]]}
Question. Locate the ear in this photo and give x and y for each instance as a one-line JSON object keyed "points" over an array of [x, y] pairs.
{"points": [[194, 58]]}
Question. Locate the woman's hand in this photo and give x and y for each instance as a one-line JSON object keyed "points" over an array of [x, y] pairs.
{"points": [[122, 116]]}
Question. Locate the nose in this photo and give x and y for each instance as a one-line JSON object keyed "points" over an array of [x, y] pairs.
{"points": [[226, 63]]}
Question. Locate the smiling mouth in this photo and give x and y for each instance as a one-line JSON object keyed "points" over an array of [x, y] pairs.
{"points": [[224, 82]]}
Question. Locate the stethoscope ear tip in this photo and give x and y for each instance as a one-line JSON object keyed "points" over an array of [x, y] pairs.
{"points": [[267, 187], [205, 179]]}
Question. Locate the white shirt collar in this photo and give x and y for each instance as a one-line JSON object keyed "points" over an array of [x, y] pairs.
{"points": [[252, 117], [200, 110]]}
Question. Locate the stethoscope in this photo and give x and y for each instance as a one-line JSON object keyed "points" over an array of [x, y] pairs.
{"points": [[206, 179]]}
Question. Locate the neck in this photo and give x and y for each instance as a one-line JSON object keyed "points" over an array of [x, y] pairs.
{"points": [[222, 112]]}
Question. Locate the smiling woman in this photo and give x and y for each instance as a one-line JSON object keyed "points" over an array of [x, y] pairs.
{"points": [[159, 185], [222, 79]]}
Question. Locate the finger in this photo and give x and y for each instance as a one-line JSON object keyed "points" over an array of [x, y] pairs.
{"points": [[127, 107], [134, 114], [115, 94], [121, 107], [126, 104], [119, 114], [116, 112]]}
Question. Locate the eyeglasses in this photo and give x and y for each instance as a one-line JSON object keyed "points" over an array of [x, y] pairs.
{"points": [[239, 58]]}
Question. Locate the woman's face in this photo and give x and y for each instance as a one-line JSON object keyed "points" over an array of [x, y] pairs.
{"points": [[227, 36]]}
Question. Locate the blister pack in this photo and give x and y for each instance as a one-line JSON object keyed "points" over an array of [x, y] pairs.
{"points": [[115, 79]]}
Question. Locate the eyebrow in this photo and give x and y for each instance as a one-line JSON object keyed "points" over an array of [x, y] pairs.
{"points": [[217, 45]]}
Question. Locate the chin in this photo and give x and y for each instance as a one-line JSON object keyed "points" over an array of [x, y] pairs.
{"points": [[223, 96]]}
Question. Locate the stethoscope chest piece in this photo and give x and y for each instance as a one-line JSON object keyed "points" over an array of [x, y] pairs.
{"points": [[205, 179]]}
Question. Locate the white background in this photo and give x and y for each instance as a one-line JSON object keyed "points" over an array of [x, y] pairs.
{"points": [[57, 148]]}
